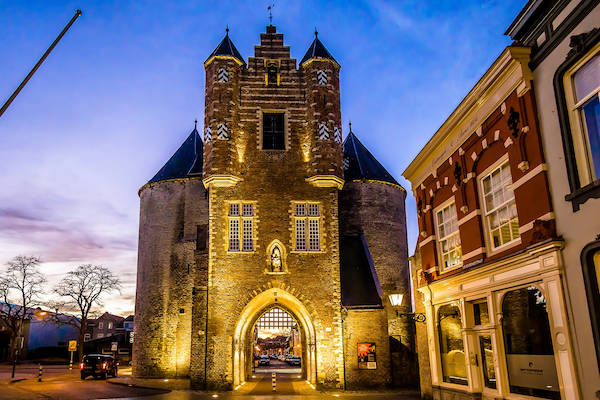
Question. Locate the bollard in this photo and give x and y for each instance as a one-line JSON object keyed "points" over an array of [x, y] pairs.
{"points": [[40, 374], [274, 381]]}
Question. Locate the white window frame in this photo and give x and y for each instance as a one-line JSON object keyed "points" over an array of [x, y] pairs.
{"points": [[100, 325], [439, 238], [484, 214], [243, 219], [579, 135], [307, 220], [110, 325]]}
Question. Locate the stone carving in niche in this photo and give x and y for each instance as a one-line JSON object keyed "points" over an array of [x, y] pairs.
{"points": [[276, 258]]}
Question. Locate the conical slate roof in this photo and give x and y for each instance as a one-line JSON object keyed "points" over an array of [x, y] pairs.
{"points": [[227, 49], [360, 164], [186, 161], [317, 50]]}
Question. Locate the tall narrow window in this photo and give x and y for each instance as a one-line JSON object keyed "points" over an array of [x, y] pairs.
{"points": [[273, 131], [448, 237], [452, 349], [241, 227], [500, 208], [307, 222]]}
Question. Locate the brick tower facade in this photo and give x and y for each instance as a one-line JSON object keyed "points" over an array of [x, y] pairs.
{"points": [[248, 219]]}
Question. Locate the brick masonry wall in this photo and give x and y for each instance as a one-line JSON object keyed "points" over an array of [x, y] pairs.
{"points": [[167, 271], [365, 326]]}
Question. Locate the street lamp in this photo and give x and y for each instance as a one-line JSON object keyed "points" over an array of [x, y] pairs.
{"points": [[396, 302]]}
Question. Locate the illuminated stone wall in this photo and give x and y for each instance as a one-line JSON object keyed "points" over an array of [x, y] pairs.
{"points": [[194, 305]]}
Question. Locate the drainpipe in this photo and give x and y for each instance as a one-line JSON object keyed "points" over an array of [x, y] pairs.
{"points": [[344, 313]]}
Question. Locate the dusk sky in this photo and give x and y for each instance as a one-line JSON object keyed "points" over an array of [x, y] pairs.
{"points": [[120, 93]]}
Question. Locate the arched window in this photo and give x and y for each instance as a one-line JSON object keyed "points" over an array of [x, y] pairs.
{"points": [[528, 344], [452, 349], [590, 261]]}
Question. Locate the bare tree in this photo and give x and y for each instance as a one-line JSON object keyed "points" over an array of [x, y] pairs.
{"points": [[20, 287], [83, 289]]}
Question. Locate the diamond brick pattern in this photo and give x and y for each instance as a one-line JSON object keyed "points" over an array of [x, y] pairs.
{"points": [[223, 75], [323, 131], [337, 134], [222, 132], [321, 77]]}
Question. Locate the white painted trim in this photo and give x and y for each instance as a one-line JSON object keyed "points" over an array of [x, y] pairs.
{"points": [[529, 226], [427, 240], [540, 168], [469, 216], [474, 253]]}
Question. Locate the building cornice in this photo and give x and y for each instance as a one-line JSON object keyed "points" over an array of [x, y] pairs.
{"points": [[510, 71]]}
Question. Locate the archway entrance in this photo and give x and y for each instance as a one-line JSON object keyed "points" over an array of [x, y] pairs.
{"points": [[277, 344], [274, 309]]}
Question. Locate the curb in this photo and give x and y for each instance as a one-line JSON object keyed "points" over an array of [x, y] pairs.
{"points": [[136, 385]]}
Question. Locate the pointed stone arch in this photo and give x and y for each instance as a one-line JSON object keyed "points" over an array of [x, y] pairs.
{"points": [[253, 310]]}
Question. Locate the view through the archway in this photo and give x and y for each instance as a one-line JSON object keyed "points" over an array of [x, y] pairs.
{"points": [[277, 344]]}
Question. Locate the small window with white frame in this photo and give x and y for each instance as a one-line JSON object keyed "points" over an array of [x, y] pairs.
{"points": [[449, 247], [240, 218], [582, 92], [307, 226], [498, 198]]}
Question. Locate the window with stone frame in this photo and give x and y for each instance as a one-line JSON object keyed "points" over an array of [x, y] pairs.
{"points": [[307, 226], [582, 89], [449, 247], [240, 218], [273, 125], [500, 210]]}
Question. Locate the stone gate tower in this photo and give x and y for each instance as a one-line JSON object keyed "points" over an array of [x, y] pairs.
{"points": [[247, 218]]}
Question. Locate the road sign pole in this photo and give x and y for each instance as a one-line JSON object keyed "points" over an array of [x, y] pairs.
{"points": [[71, 362], [40, 373]]}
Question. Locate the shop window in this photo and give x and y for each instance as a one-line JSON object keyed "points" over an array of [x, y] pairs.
{"points": [[481, 315], [500, 209], [449, 248], [241, 227], [528, 344], [273, 131], [452, 349], [590, 260]]}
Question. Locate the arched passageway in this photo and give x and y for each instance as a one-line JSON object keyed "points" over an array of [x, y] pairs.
{"points": [[269, 310]]}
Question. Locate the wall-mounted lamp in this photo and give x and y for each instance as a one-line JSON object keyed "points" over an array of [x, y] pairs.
{"points": [[396, 301]]}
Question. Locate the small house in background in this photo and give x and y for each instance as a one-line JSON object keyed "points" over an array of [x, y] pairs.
{"points": [[110, 334], [45, 336]]}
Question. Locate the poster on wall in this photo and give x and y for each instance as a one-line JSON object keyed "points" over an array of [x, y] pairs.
{"points": [[366, 356]]}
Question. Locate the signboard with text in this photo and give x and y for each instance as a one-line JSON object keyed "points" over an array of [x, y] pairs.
{"points": [[366, 356], [113, 346], [533, 371], [72, 345]]}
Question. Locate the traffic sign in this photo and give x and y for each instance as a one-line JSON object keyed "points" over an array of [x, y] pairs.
{"points": [[113, 346], [72, 345]]}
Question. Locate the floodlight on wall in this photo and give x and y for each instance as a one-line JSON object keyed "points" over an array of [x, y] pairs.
{"points": [[396, 299]]}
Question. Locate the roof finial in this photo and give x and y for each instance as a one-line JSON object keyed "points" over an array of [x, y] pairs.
{"points": [[270, 8], [316, 32], [227, 30], [195, 123], [350, 125]]}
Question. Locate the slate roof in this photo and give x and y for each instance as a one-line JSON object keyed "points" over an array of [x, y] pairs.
{"points": [[360, 286], [227, 49], [361, 164], [186, 161], [317, 50]]}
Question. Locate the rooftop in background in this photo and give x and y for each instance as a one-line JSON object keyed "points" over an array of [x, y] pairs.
{"points": [[362, 165]]}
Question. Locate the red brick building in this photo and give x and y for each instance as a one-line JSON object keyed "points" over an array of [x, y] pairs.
{"points": [[488, 263]]}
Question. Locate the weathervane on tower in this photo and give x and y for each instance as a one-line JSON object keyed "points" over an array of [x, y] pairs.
{"points": [[270, 8]]}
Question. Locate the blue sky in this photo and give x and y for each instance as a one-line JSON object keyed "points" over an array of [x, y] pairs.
{"points": [[122, 89]]}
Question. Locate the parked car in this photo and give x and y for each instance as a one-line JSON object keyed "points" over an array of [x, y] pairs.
{"points": [[264, 360], [273, 356], [98, 366], [294, 360]]}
